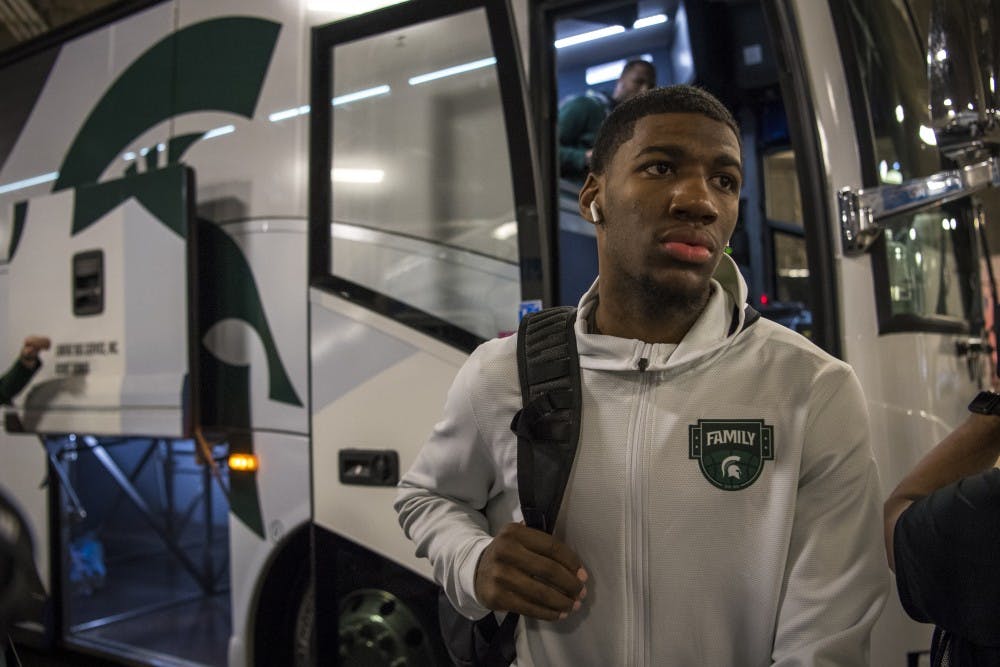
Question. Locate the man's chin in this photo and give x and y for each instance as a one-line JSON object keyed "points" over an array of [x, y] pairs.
{"points": [[685, 293]]}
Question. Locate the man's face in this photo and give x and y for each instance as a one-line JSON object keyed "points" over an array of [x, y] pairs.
{"points": [[669, 200], [635, 80]]}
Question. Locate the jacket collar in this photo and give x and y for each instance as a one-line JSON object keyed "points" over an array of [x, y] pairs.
{"points": [[714, 330]]}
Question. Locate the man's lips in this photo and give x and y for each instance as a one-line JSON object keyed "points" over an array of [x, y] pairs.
{"points": [[690, 246]]}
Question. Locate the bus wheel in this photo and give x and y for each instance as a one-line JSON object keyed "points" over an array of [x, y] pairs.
{"points": [[377, 629]]}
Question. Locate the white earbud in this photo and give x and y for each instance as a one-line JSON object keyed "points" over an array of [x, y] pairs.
{"points": [[595, 213]]}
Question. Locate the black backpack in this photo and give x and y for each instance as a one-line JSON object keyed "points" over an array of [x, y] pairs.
{"points": [[548, 429]]}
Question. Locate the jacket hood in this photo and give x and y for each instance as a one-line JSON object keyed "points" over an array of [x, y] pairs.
{"points": [[713, 331]]}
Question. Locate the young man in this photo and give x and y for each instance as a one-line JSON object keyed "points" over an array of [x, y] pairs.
{"points": [[580, 117], [723, 505]]}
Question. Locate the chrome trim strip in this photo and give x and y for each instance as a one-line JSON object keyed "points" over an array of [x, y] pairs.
{"points": [[862, 212]]}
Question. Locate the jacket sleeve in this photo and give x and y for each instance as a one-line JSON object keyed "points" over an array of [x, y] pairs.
{"points": [[15, 379], [441, 498], [579, 119], [946, 558], [836, 580]]}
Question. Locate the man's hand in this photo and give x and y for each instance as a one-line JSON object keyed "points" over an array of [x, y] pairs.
{"points": [[531, 573], [32, 346]]}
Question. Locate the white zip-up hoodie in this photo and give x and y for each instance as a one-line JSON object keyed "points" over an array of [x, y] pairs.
{"points": [[724, 501]]}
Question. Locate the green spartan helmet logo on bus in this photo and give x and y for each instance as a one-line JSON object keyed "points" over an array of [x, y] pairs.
{"points": [[731, 453]]}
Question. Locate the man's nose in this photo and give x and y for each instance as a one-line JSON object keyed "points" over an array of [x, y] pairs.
{"points": [[691, 201]]}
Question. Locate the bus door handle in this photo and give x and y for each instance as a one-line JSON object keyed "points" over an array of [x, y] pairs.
{"points": [[369, 467], [970, 346]]}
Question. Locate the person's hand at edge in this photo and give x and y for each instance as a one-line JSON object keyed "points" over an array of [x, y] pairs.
{"points": [[32, 346]]}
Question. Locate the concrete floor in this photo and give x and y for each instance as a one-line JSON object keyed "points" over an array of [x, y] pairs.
{"points": [[32, 657]]}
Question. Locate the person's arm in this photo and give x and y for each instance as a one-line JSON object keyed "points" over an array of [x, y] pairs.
{"points": [[440, 505], [835, 581], [972, 447], [27, 364]]}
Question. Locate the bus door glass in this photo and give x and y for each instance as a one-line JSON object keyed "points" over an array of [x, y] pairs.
{"points": [[592, 43], [424, 196], [918, 94], [424, 241]]}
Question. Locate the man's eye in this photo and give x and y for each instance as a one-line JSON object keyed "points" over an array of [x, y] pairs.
{"points": [[727, 182], [660, 168]]}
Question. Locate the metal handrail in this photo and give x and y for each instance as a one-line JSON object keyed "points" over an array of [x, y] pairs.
{"points": [[862, 212]]}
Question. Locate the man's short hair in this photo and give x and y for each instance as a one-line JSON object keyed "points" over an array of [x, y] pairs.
{"points": [[620, 123], [637, 63]]}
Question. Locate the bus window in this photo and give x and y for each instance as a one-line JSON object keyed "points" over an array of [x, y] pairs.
{"points": [[24, 21], [782, 201], [422, 199], [932, 273], [592, 46], [926, 268], [890, 50], [790, 267]]}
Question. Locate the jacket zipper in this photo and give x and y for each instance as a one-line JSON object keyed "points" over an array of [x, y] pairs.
{"points": [[636, 589]]}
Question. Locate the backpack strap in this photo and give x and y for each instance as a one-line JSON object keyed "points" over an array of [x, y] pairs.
{"points": [[548, 423], [547, 428]]}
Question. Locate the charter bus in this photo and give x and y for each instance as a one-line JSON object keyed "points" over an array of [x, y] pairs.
{"points": [[264, 235]]}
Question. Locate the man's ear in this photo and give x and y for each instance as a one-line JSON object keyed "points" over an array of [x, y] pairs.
{"points": [[590, 208]]}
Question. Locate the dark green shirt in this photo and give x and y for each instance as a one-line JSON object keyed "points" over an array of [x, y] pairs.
{"points": [[579, 120], [15, 379]]}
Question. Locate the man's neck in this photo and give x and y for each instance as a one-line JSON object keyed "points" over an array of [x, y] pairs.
{"points": [[631, 317]]}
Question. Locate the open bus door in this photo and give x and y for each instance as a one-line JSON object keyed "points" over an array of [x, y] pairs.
{"points": [[425, 240], [867, 222], [911, 224], [107, 272], [735, 51]]}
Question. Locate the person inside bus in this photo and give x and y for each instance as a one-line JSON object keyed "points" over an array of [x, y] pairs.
{"points": [[723, 506], [942, 524], [18, 578], [26, 365], [581, 116]]}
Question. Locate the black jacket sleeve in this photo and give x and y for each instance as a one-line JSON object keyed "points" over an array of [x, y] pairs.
{"points": [[14, 380], [947, 554]]}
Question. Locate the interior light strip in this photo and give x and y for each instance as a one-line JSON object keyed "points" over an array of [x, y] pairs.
{"points": [[360, 95], [589, 36], [357, 175], [288, 113], [452, 71], [647, 21], [219, 131]]}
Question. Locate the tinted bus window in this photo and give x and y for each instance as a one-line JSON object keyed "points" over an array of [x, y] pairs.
{"points": [[21, 20]]}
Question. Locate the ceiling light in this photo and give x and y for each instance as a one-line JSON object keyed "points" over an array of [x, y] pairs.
{"points": [[357, 175], [589, 36], [288, 113], [361, 94], [452, 71], [656, 19], [219, 131]]}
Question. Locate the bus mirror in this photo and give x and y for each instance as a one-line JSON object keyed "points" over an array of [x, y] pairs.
{"points": [[958, 104]]}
